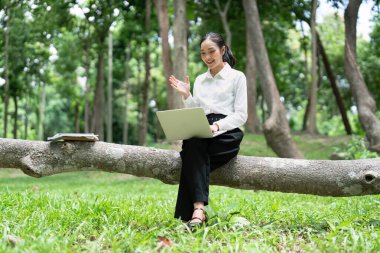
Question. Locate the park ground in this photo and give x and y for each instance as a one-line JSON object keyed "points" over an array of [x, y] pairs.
{"points": [[109, 212]]}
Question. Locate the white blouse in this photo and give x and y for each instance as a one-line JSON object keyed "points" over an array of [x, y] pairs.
{"points": [[225, 93]]}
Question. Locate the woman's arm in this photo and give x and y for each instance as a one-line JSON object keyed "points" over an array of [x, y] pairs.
{"points": [[240, 115], [184, 89]]}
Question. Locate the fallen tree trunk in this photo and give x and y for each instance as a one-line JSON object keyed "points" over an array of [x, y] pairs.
{"points": [[318, 177]]}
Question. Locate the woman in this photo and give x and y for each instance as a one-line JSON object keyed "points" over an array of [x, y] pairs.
{"points": [[222, 93]]}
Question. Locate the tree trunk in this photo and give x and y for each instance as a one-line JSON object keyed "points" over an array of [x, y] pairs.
{"points": [[319, 177], [126, 83], [110, 89], [87, 121], [253, 123], [305, 49], [180, 46], [41, 112], [6, 77], [223, 16], [15, 117], [334, 86], [311, 126], [97, 120], [155, 120], [364, 101], [145, 109], [276, 128], [306, 115], [76, 117], [163, 21]]}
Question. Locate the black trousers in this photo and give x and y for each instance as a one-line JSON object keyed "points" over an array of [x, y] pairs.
{"points": [[200, 156]]}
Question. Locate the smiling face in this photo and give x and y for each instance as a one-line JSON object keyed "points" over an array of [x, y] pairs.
{"points": [[212, 56]]}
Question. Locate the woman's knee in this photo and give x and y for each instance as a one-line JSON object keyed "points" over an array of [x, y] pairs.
{"points": [[194, 144]]}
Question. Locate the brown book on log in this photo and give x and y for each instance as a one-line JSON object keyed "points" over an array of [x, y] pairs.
{"points": [[74, 137]]}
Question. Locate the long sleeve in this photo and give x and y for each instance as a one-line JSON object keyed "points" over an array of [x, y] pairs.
{"points": [[240, 115], [190, 102], [225, 93]]}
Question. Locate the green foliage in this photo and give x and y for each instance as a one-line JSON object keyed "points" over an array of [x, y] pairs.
{"points": [[369, 60], [356, 148], [333, 126], [39, 27]]}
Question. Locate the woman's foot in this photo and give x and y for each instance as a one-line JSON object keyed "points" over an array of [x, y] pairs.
{"points": [[199, 217]]}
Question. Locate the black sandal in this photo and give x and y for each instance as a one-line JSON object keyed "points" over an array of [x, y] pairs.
{"points": [[191, 224]]}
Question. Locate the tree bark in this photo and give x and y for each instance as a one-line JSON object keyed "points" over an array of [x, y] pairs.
{"points": [[276, 128], [144, 108], [156, 124], [334, 86], [76, 117], [6, 76], [126, 85], [110, 89], [97, 120], [306, 115], [364, 101], [311, 126], [253, 122], [87, 121], [318, 177], [305, 50], [180, 47], [223, 16], [163, 21]]}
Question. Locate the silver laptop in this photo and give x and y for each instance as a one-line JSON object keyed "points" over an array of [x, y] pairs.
{"points": [[182, 124]]}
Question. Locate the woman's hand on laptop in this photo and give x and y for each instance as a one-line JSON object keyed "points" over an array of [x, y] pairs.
{"points": [[181, 87], [214, 128]]}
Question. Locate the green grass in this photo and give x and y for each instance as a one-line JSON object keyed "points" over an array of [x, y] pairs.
{"points": [[313, 147], [108, 212]]}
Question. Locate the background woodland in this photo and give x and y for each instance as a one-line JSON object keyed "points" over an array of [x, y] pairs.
{"points": [[102, 67]]}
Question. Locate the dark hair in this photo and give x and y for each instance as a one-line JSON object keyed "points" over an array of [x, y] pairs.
{"points": [[218, 39]]}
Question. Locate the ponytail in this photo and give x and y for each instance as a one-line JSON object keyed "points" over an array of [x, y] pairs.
{"points": [[229, 57], [218, 39]]}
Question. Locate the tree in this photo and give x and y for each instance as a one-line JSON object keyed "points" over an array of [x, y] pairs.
{"points": [[100, 15], [6, 69], [127, 87], [319, 177], [253, 122], [223, 15], [144, 108], [364, 101], [311, 126], [163, 21], [180, 46], [329, 23], [110, 89], [276, 128], [334, 86], [87, 66]]}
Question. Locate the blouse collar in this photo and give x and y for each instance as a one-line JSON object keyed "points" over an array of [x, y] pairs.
{"points": [[223, 73]]}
